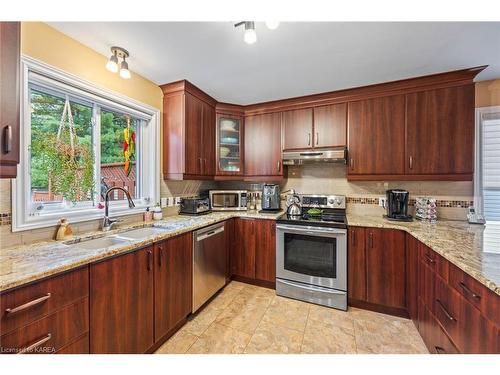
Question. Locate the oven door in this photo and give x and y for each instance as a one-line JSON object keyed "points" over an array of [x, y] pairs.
{"points": [[225, 200], [312, 255]]}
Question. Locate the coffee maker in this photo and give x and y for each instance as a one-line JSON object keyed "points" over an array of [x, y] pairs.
{"points": [[271, 198], [397, 205]]}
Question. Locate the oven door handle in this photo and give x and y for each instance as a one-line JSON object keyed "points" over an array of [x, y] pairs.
{"points": [[313, 289], [311, 230]]}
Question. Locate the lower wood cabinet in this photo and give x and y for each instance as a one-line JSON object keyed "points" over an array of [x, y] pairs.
{"points": [[253, 255], [377, 256], [172, 283], [121, 303], [412, 248]]}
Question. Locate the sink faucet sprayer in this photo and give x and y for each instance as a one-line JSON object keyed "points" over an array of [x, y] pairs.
{"points": [[107, 223]]}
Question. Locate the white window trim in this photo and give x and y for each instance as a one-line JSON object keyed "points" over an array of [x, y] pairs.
{"points": [[150, 138], [478, 175]]}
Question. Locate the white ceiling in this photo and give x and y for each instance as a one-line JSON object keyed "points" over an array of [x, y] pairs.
{"points": [[298, 58]]}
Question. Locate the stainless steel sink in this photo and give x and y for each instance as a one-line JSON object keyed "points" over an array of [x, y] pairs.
{"points": [[100, 243], [141, 233]]}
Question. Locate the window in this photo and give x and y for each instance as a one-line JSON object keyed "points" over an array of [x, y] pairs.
{"points": [[78, 141], [487, 179]]}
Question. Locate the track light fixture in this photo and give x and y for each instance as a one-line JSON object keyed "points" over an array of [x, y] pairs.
{"points": [[112, 64], [250, 36]]}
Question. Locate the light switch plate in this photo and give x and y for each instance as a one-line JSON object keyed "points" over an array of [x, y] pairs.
{"points": [[382, 201]]}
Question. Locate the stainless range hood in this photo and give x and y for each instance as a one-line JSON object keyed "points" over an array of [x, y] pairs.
{"points": [[333, 155]]}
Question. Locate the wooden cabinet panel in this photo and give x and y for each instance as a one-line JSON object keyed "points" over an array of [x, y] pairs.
{"points": [[376, 135], [243, 253], [263, 145], [330, 125], [412, 246], [121, 303], [265, 250], [434, 261], [193, 137], [49, 334], [298, 129], [447, 308], [434, 337], [356, 264], [79, 346], [208, 141], [24, 305], [426, 285], [231, 242], [173, 282], [477, 335], [385, 263], [440, 131], [9, 98]]}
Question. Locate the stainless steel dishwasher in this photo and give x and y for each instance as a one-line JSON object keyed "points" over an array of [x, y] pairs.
{"points": [[209, 263]]}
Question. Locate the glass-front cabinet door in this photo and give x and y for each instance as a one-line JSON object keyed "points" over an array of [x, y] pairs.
{"points": [[229, 145]]}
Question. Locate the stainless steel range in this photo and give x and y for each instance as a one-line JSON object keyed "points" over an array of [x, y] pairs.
{"points": [[311, 252]]}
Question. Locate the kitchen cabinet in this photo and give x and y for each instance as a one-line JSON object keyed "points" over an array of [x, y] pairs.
{"points": [[440, 132], [298, 129], [229, 145], [9, 98], [330, 125], [412, 249], [253, 258], [356, 264], [263, 146], [188, 132], [172, 283], [121, 303], [376, 136]]}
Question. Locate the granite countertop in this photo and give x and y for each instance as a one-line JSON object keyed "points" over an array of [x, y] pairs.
{"points": [[23, 264], [475, 249], [462, 244]]}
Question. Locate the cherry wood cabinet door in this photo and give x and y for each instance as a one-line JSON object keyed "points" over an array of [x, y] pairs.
{"points": [[298, 129], [193, 137], [207, 141], [330, 125], [385, 265], [263, 145], [356, 264], [243, 251], [376, 136], [9, 98], [173, 282], [121, 303], [412, 245], [265, 250], [440, 131]]}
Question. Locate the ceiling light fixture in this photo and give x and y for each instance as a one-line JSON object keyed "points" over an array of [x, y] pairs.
{"points": [[272, 25], [112, 64], [250, 36]]}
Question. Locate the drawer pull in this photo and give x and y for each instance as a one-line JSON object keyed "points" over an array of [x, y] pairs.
{"points": [[150, 260], [159, 255], [28, 304], [439, 350], [466, 288], [429, 259], [35, 344], [448, 315]]}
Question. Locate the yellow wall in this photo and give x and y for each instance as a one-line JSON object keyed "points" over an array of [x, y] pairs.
{"points": [[44, 43], [488, 93]]}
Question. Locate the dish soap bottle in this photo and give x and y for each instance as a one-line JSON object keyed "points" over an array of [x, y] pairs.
{"points": [[157, 213], [148, 216]]}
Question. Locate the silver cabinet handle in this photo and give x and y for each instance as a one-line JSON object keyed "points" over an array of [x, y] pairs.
{"points": [[317, 138], [36, 344], [351, 163], [441, 306], [7, 139], [308, 139], [467, 289], [28, 304], [279, 165], [411, 162]]}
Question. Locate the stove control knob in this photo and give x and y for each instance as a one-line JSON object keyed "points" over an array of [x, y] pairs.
{"points": [[338, 201], [331, 201]]}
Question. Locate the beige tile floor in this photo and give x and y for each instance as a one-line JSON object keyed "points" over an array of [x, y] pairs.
{"points": [[244, 318]]}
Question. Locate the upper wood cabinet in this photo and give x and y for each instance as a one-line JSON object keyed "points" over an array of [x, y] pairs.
{"points": [[376, 136], [330, 125], [440, 132], [121, 304], [298, 129], [230, 145], [263, 146], [188, 132], [9, 98]]}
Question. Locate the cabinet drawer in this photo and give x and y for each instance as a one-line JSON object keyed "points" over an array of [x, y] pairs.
{"points": [[426, 285], [435, 261], [24, 305], [51, 333], [434, 337], [476, 294], [442, 344], [79, 346], [447, 308]]}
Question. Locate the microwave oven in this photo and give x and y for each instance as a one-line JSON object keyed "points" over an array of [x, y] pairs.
{"points": [[228, 200]]}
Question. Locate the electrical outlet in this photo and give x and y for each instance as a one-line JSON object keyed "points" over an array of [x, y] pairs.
{"points": [[382, 201], [164, 202]]}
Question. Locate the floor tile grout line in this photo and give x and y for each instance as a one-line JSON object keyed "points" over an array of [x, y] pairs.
{"points": [[305, 327], [257, 326]]}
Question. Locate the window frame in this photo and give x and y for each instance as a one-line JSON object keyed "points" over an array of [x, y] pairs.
{"points": [[46, 76], [478, 156]]}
